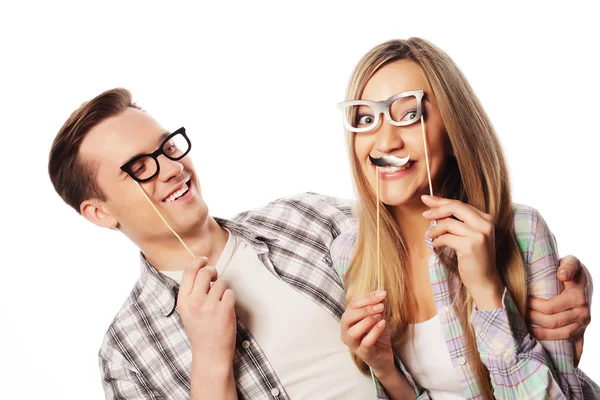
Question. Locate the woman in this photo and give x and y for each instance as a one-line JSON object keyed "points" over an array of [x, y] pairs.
{"points": [[453, 304]]}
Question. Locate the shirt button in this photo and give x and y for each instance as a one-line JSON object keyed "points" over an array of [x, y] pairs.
{"points": [[446, 309], [462, 361], [245, 344], [275, 392]]}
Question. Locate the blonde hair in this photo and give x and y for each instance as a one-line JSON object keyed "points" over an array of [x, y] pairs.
{"points": [[477, 175]]}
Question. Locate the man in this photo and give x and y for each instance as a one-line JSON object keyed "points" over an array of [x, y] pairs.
{"points": [[178, 336]]}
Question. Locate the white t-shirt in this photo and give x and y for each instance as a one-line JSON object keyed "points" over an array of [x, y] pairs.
{"points": [[429, 362], [299, 338]]}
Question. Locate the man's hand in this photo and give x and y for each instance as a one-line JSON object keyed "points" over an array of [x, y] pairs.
{"points": [[568, 314], [208, 316]]}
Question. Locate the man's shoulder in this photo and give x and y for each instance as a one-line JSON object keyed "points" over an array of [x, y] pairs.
{"points": [[309, 204], [122, 325], [310, 218]]}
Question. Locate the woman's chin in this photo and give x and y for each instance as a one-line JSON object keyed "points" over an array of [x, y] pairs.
{"points": [[396, 201], [402, 199]]}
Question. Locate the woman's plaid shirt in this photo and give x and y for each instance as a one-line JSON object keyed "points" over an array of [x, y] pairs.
{"points": [[520, 366]]}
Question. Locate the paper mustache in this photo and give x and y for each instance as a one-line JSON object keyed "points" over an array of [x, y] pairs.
{"points": [[384, 161]]}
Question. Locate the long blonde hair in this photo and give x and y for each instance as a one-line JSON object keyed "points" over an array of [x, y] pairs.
{"points": [[476, 175]]}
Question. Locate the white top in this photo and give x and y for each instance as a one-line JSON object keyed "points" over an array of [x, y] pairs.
{"points": [[299, 338], [428, 361]]}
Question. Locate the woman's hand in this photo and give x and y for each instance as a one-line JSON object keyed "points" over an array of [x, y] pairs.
{"points": [[470, 232], [366, 332]]}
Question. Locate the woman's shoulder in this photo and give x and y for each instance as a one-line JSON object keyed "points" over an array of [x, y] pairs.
{"points": [[534, 238], [539, 250], [525, 213], [342, 250], [525, 221]]}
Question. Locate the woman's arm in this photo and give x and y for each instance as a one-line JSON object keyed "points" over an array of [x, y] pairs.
{"points": [[396, 385], [519, 365]]}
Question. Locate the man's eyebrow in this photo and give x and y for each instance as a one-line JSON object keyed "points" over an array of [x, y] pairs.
{"points": [[162, 137], [159, 141]]}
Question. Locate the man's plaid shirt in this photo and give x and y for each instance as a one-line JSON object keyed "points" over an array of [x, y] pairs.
{"points": [[146, 353]]}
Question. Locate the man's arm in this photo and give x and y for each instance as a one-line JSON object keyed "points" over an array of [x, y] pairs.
{"points": [[211, 384], [121, 381]]}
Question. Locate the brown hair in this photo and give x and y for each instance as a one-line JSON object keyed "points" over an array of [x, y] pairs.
{"points": [[73, 178], [477, 175]]}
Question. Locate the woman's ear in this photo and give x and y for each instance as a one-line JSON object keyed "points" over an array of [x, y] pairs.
{"points": [[95, 211]]}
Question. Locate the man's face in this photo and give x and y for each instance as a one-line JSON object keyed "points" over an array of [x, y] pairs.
{"points": [[114, 142]]}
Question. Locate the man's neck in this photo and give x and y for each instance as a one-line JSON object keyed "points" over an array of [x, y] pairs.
{"points": [[209, 240]]}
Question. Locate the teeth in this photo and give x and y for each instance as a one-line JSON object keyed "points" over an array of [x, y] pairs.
{"points": [[391, 169], [177, 194]]}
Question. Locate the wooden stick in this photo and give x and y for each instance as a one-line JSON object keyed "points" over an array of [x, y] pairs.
{"points": [[379, 286], [165, 221], [427, 159]]}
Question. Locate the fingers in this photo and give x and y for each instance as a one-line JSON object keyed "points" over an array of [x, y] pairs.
{"points": [[564, 333], [360, 315], [189, 275], [553, 321], [352, 315], [217, 290], [574, 297], [228, 299], [204, 277], [373, 336], [368, 299], [444, 208], [449, 225], [356, 333], [449, 240], [435, 201], [569, 268]]}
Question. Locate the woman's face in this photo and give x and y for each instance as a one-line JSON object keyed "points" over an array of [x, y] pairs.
{"points": [[403, 185]]}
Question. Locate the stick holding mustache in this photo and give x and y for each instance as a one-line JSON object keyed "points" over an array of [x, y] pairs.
{"points": [[393, 161], [383, 161]]}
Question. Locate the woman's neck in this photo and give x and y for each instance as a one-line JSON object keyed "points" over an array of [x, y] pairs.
{"points": [[413, 225]]}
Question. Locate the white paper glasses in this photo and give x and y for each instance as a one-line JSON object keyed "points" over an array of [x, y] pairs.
{"points": [[400, 110]]}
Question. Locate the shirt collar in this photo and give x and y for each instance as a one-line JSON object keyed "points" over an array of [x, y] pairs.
{"points": [[258, 240], [165, 290], [428, 240]]}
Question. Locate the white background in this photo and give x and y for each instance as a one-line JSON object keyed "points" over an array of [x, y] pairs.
{"points": [[256, 84]]}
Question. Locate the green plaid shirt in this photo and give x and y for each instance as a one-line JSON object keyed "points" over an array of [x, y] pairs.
{"points": [[520, 366]]}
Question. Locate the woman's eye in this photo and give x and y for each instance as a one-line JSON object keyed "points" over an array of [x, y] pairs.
{"points": [[365, 119], [410, 115]]}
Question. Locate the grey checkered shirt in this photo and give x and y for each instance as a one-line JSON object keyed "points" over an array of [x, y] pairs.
{"points": [[146, 353]]}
